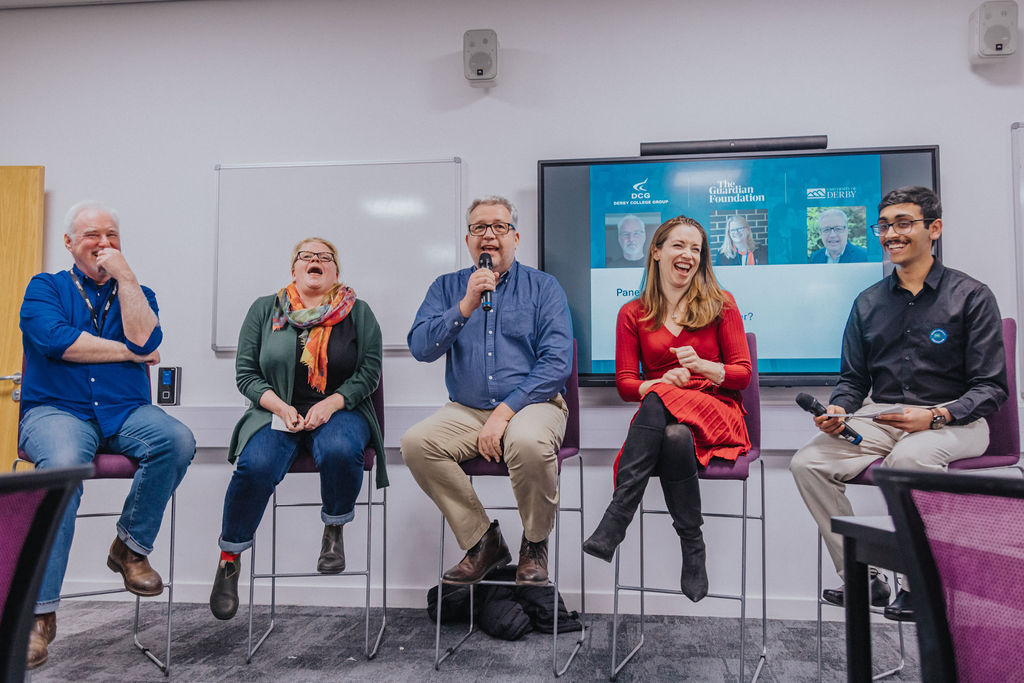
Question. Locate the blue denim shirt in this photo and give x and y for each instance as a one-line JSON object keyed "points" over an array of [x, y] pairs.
{"points": [[53, 315], [519, 353]]}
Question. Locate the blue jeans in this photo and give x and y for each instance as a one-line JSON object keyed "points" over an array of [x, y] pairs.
{"points": [[337, 448], [164, 447]]}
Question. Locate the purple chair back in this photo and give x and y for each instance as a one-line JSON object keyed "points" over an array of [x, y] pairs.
{"points": [[1003, 425], [105, 465], [963, 538], [480, 467], [304, 462], [717, 468], [31, 505]]}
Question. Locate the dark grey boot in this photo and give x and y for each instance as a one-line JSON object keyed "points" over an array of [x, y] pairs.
{"points": [[639, 457], [332, 550], [683, 501]]}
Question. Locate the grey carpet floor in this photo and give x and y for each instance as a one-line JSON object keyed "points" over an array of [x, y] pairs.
{"points": [[326, 644]]}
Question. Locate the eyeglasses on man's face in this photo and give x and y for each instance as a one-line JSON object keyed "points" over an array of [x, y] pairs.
{"points": [[478, 229], [902, 226], [832, 229], [324, 256]]}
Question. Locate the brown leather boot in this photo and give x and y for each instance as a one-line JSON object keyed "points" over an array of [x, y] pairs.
{"points": [[533, 563], [489, 553], [44, 630], [139, 577]]}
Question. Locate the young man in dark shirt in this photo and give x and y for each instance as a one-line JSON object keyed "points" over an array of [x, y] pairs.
{"points": [[927, 339]]}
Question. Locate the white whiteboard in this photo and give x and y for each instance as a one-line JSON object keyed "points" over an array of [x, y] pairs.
{"points": [[397, 226]]}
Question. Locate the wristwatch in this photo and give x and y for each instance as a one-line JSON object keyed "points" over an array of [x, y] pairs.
{"points": [[938, 419]]}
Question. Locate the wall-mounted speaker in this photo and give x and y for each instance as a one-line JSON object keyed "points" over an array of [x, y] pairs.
{"points": [[480, 57], [993, 30]]}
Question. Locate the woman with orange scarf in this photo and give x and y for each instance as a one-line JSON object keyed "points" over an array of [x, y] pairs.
{"points": [[308, 360]]}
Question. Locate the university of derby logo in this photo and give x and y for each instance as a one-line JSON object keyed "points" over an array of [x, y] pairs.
{"points": [[938, 335]]}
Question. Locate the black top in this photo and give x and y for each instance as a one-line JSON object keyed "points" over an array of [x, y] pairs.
{"points": [[943, 346], [342, 352]]}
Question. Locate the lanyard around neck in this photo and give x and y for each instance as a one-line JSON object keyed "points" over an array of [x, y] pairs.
{"points": [[97, 319]]}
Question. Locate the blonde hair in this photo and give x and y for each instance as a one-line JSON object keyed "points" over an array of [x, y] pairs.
{"points": [[701, 303], [728, 246], [330, 247]]}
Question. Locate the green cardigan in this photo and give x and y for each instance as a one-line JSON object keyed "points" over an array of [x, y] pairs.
{"points": [[266, 360]]}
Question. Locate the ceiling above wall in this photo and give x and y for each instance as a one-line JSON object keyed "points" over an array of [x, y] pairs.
{"points": [[24, 4]]}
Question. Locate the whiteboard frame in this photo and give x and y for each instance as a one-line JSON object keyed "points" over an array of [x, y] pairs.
{"points": [[456, 162]]}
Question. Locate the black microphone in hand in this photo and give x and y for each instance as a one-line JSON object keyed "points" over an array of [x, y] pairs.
{"points": [[814, 407], [485, 298]]}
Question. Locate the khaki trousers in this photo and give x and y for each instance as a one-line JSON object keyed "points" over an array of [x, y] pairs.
{"points": [[434, 447], [822, 467]]}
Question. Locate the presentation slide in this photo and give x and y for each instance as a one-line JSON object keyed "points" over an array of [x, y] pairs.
{"points": [[781, 215]]}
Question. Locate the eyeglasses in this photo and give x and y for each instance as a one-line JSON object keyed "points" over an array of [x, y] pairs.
{"points": [[832, 230], [478, 229], [902, 226], [323, 256]]}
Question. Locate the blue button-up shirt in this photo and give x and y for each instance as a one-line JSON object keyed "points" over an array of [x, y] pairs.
{"points": [[53, 315], [519, 353]]}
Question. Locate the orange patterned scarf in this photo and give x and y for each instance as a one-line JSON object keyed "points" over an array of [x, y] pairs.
{"points": [[316, 323]]}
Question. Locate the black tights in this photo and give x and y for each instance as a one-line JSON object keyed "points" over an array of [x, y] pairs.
{"points": [[673, 466]]}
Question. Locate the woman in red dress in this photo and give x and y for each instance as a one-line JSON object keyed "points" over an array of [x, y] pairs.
{"points": [[680, 350]]}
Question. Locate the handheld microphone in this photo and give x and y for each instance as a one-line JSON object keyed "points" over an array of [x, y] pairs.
{"points": [[485, 298], [814, 407]]}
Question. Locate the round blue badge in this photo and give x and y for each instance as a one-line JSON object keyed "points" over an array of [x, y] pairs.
{"points": [[938, 335]]}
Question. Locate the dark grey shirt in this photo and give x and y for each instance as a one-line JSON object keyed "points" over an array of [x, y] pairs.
{"points": [[944, 345]]}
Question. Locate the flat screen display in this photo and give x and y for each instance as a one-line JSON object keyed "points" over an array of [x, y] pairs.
{"points": [[789, 238]]}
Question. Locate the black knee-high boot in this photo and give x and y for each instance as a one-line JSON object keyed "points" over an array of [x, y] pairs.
{"points": [[682, 497], [683, 500], [639, 457]]}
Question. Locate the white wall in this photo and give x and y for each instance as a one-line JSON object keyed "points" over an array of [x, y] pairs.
{"points": [[135, 105]]}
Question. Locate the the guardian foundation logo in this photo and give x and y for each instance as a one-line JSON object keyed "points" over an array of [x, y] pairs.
{"points": [[727, 192], [639, 196], [831, 192]]}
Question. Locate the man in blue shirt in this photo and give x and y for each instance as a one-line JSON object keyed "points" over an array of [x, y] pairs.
{"points": [[505, 369], [88, 333]]}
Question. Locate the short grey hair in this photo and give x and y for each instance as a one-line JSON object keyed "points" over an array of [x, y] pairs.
{"points": [[87, 205], [836, 213], [495, 199], [630, 218]]}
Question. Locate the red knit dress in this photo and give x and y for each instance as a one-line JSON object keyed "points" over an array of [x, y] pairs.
{"points": [[713, 413]]}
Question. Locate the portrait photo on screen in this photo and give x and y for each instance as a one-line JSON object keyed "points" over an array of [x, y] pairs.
{"points": [[838, 234], [739, 238], [627, 237]]}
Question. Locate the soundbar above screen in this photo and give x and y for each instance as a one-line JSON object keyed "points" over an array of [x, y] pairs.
{"points": [[798, 296]]}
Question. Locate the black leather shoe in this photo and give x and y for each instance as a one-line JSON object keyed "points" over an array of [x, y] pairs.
{"points": [[332, 550], [224, 596], [879, 589], [490, 552], [901, 609]]}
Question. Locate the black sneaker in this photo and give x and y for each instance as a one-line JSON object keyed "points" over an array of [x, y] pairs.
{"points": [[879, 587]]}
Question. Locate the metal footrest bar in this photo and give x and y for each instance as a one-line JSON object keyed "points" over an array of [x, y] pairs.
{"points": [[874, 610], [642, 589], [274, 575], [439, 657]]}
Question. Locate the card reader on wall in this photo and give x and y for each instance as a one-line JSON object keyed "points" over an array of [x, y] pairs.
{"points": [[168, 386]]}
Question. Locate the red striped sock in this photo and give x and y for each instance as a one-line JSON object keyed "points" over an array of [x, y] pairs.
{"points": [[228, 557]]}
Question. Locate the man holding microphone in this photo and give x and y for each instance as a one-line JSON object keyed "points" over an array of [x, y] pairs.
{"points": [[505, 332], [925, 340]]}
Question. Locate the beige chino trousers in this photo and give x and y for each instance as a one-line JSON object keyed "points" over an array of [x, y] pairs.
{"points": [[434, 447], [822, 467]]}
